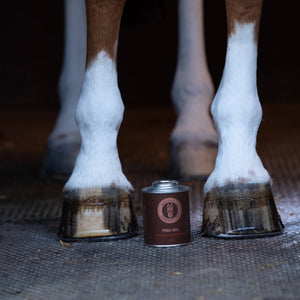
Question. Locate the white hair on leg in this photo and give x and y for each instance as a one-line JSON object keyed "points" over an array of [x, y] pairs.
{"points": [[237, 114], [99, 114]]}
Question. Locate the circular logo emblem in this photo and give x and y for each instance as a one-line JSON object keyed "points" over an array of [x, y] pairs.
{"points": [[169, 210]]}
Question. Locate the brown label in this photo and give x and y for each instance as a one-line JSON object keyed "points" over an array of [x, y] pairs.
{"points": [[166, 218]]}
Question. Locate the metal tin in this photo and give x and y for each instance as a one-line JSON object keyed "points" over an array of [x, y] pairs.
{"points": [[166, 214]]}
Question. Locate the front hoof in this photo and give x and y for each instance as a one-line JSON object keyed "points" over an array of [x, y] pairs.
{"points": [[59, 161], [192, 160], [241, 211], [97, 215]]}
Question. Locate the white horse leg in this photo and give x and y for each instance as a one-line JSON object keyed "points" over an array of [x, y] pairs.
{"points": [[64, 141], [238, 199], [194, 138], [97, 196]]}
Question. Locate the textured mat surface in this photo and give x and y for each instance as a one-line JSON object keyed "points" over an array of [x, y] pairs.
{"points": [[34, 265]]}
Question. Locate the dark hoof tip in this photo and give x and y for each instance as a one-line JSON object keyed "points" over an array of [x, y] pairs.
{"points": [[186, 178], [241, 211], [59, 162], [55, 177], [94, 215], [192, 160]]}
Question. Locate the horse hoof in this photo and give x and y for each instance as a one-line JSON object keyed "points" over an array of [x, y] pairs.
{"points": [[97, 215], [59, 161], [241, 211], [192, 160]]}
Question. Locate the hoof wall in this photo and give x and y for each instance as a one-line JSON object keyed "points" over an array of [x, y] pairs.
{"points": [[59, 161], [192, 160], [97, 215], [241, 211]]}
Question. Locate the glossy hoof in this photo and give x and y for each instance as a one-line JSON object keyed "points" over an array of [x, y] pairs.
{"points": [[97, 215], [241, 211]]}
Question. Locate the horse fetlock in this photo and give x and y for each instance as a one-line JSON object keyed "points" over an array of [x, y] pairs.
{"points": [[184, 93]]}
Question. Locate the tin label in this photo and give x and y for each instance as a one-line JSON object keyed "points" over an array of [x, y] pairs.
{"points": [[169, 210], [166, 218]]}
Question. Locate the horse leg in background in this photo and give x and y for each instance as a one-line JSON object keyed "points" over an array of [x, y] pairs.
{"points": [[64, 141], [97, 202], [238, 198], [194, 138]]}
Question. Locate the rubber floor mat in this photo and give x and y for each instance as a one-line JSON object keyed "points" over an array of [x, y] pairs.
{"points": [[34, 265]]}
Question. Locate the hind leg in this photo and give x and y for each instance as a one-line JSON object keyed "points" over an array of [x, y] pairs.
{"points": [[64, 141], [194, 138]]}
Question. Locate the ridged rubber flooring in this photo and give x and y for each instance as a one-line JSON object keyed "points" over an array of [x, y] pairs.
{"points": [[34, 265]]}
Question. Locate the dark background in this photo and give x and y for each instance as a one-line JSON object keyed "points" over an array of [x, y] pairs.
{"points": [[32, 46]]}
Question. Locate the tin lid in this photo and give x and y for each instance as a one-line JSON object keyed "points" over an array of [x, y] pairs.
{"points": [[165, 186]]}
